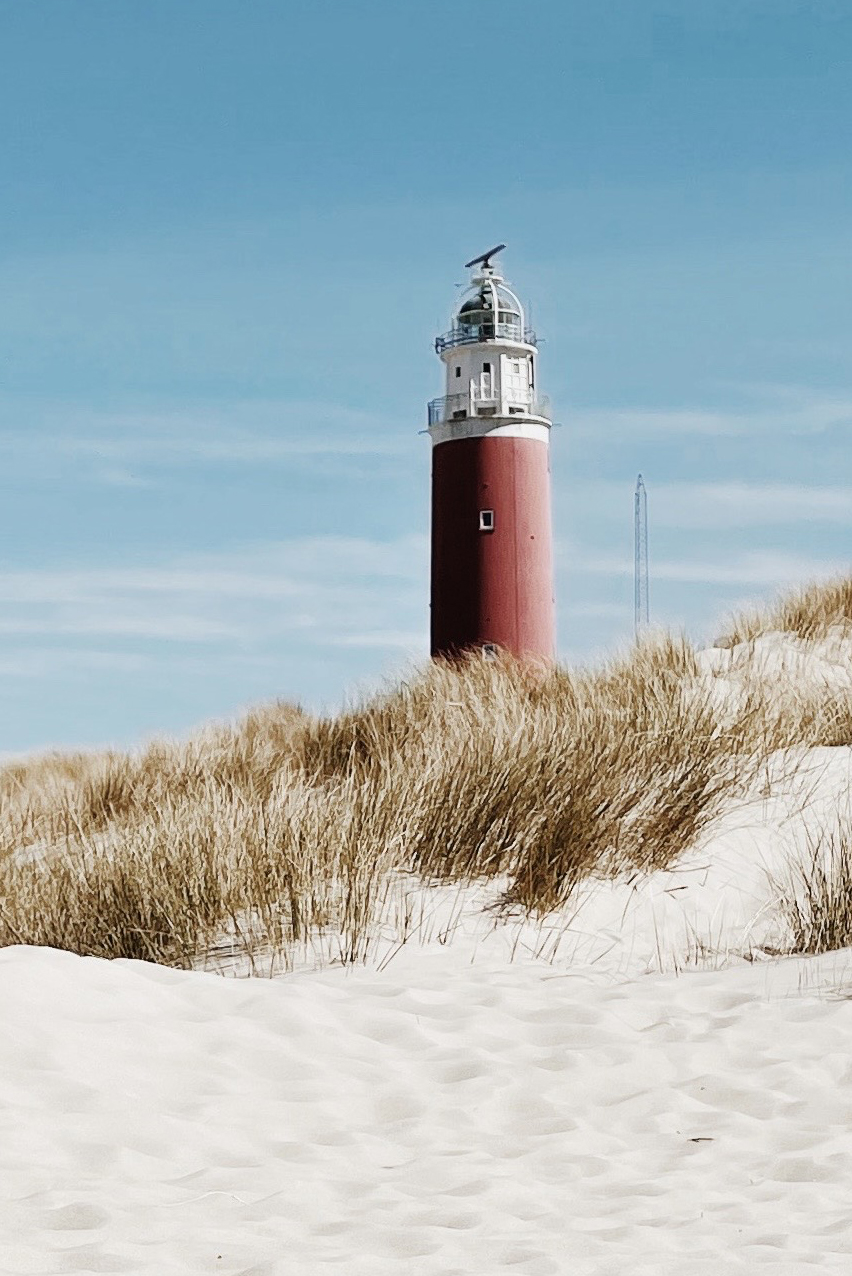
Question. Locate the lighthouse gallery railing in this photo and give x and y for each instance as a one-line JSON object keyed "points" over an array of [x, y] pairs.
{"points": [[469, 334], [455, 407]]}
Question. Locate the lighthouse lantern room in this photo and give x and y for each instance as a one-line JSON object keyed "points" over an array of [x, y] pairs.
{"points": [[492, 561]]}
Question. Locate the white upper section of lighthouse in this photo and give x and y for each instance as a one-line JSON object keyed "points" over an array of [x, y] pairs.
{"points": [[491, 375]]}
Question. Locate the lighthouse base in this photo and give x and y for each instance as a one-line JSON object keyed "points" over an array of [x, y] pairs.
{"points": [[492, 560]]}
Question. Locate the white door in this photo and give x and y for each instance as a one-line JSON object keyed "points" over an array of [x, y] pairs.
{"points": [[516, 379], [483, 388]]}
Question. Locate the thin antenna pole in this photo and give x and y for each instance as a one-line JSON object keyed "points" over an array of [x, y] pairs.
{"points": [[640, 558]]}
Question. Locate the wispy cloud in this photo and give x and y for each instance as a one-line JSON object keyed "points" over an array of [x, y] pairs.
{"points": [[119, 476], [766, 569], [784, 411], [315, 593], [404, 639], [241, 432], [121, 442], [699, 506], [598, 611], [49, 661], [173, 628], [328, 591]]}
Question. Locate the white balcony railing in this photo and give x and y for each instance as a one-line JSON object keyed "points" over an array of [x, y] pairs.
{"points": [[467, 334], [456, 407]]}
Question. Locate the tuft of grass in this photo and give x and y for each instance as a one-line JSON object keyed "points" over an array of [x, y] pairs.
{"points": [[810, 613], [49, 799], [781, 702], [816, 900], [168, 887]]}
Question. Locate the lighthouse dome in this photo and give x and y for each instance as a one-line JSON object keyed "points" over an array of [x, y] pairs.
{"points": [[490, 311]]}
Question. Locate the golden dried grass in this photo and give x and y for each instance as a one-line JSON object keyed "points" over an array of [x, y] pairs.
{"points": [[285, 823], [810, 613], [815, 899]]}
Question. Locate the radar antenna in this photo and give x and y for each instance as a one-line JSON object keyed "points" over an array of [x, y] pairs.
{"points": [[485, 259]]}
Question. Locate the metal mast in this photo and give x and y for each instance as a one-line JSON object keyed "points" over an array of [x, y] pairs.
{"points": [[640, 561]]}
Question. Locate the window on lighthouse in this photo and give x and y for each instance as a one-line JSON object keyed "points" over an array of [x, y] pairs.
{"points": [[509, 324], [486, 520]]}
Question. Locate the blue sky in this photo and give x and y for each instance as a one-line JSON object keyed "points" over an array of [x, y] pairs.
{"points": [[228, 235]]}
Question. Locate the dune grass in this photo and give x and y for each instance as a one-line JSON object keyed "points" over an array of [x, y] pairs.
{"points": [[809, 613], [287, 824], [815, 900]]}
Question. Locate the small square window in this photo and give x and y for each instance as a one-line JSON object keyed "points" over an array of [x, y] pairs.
{"points": [[486, 520], [486, 367], [458, 372]]}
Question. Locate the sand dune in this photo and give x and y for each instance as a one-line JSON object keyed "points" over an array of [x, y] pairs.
{"points": [[636, 1084], [428, 1118]]}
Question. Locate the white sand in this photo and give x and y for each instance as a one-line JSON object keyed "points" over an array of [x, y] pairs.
{"points": [[431, 1118], [785, 658], [631, 1087]]}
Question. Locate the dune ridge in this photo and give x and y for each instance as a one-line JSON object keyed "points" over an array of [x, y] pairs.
{"points": [[606, 1034]]}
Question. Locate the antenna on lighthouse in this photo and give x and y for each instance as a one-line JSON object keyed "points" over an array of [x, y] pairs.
{"points": [[640, 558], [484, 260]]}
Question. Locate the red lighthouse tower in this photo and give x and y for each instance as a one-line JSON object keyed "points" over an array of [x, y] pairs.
{"points": [[492, 554]]}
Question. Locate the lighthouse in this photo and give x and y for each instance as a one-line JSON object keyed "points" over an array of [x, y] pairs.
{"points": [[492, 551]]}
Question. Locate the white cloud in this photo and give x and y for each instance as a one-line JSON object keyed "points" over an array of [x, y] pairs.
{"points": [[48, 661], [787, 412], [410, 640], [264, 570], [119, 476], [331, 591], [755, 568], [722, 505], [598, 611], [108, 624], [241, 432], [767, 569]]}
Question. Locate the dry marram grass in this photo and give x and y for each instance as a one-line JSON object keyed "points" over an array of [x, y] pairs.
{"points": [[809, 613], [816, 898], [286, 825]]}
